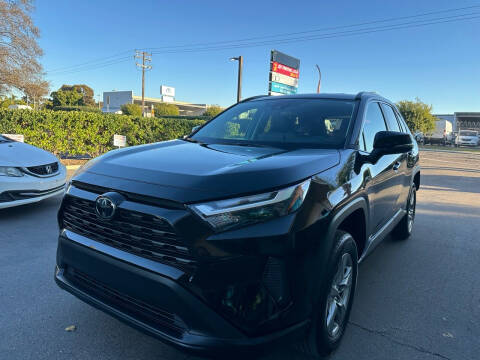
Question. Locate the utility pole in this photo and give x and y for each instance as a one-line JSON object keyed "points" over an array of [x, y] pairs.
{"points": [[239, 83], [319, 79], [146, 57]]}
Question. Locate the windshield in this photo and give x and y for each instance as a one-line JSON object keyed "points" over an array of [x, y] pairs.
{"points": [[282, 122], [468, 133]]}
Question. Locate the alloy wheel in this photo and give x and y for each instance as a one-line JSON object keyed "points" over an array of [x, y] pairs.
{"points": [[339, 296]]}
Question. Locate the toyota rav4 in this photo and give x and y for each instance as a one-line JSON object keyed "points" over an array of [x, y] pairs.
{"points": [[247, 231]]}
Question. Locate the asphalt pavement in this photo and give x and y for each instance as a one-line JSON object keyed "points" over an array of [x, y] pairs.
{"points": [[416, 299]]}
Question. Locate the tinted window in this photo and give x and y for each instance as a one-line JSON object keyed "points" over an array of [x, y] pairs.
{"points": [[282, 122], [403, 125], [374, 123], [390, 117]]}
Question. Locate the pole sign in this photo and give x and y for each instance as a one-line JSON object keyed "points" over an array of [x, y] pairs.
{"points": [[284, 74], [119, 140]]}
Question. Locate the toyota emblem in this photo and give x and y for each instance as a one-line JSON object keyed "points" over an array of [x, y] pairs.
{"points": [[105, 207]]}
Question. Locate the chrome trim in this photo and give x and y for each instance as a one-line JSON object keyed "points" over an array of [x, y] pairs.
{"points": [[376, 238]]}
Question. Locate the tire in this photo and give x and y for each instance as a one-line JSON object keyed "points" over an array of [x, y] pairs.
{"points": [[329, 318], [404, 228]]}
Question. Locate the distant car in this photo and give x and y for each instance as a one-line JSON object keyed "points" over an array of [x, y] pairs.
{"points": [[19, 107], [419, 137], [467, 138], [28, 174]]}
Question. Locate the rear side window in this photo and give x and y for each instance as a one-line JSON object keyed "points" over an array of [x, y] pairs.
{"points": [[390, 118], [403, 125], [374, 123]]}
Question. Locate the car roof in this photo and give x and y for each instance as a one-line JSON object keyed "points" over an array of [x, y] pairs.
{"points": [[340, 96]]}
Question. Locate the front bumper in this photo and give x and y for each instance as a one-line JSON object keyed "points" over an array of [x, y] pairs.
{"points": [[153, 300], [15, 191]]}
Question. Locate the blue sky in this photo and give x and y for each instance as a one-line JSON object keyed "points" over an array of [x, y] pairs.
{"points": [[439, 63]]}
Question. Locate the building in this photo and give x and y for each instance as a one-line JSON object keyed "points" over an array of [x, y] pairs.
{"points": [[113, 100], [462, 120]]}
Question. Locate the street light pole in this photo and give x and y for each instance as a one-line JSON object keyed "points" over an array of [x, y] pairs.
{"points": [[239, 83], [319, 79]]}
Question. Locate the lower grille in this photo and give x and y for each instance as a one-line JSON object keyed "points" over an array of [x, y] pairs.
{"points": [[44, 170], [147, 313], [26, 194], [142, 234]]}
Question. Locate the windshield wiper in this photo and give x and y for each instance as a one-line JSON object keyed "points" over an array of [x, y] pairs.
{"points": [[189, 139]]}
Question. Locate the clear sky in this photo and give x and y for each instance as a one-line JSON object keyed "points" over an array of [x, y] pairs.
{"points": [[438, 63]]}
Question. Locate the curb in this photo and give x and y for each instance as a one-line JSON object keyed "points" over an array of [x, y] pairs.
{"points": [[73, 167]]}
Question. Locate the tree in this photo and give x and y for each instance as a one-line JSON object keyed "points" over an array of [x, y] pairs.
{"points": [[35, 92], [166, 109], [19, 50], [66, 98], [5, 102], [418, 115], [85, 90], [132, 109], [213, 110]]}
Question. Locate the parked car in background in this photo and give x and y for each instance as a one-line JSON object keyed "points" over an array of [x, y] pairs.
{"points": [[28, 174], [419, 137], [467, 138], [249, 230], [19, 107]]}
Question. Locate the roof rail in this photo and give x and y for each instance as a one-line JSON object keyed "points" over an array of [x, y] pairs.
{"points": [[361, 93], [252, 98]]}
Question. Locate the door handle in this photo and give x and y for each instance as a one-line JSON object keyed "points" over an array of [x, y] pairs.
{"points": [[396, 166]]}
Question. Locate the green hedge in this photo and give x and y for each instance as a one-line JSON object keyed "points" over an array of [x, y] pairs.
{"points": [[77, 108], [86, 133]]}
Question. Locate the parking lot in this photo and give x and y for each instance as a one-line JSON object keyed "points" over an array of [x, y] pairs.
{"points": [[417, 299]]}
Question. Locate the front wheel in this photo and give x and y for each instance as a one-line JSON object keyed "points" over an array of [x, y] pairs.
{"points": [[404, 228], [333, 307]]}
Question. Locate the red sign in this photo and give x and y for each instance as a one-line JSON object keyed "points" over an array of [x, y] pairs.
{"points": [[285, 70]]}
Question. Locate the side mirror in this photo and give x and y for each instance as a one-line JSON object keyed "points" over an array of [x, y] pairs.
{"points": [[390, 142], [195, 128]]}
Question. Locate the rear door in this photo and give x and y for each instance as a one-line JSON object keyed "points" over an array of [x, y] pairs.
{"points": [[400, 180]]}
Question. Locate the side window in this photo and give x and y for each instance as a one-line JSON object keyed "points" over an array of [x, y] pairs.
{"points": [[390, 117], [374, 123], [402, 123]]}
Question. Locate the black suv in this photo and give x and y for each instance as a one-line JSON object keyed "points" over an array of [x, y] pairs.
{"points": [[248, 230]]}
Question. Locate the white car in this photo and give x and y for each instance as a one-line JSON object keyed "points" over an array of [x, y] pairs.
{"points": [[467, 138], [28, 174]]}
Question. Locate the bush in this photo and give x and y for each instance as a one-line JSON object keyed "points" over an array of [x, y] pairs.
{"points": [[212, 111], [77, 108], [80, 133], [131, 109], [166, 109]]}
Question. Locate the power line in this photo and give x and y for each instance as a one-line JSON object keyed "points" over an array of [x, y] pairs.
{"points": [[413, 24], [318, 30], [91, 62], [245, 43]]}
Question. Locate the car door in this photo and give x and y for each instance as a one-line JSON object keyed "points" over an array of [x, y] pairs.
{"points": [[399, 181], [383, 174]]}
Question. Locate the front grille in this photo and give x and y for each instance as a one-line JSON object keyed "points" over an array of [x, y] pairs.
{"points": [[44, 170], [142, 234], [147, 313]]}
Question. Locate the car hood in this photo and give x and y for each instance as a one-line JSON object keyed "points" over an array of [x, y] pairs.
{"points": [[189, 172], [24, 155]]}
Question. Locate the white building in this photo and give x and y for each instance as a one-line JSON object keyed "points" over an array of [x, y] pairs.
{"points": [[113, 100], [462, 120]]}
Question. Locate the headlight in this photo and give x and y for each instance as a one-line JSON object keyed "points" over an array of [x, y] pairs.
{"points": [[10, 171], [253, 209]]}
